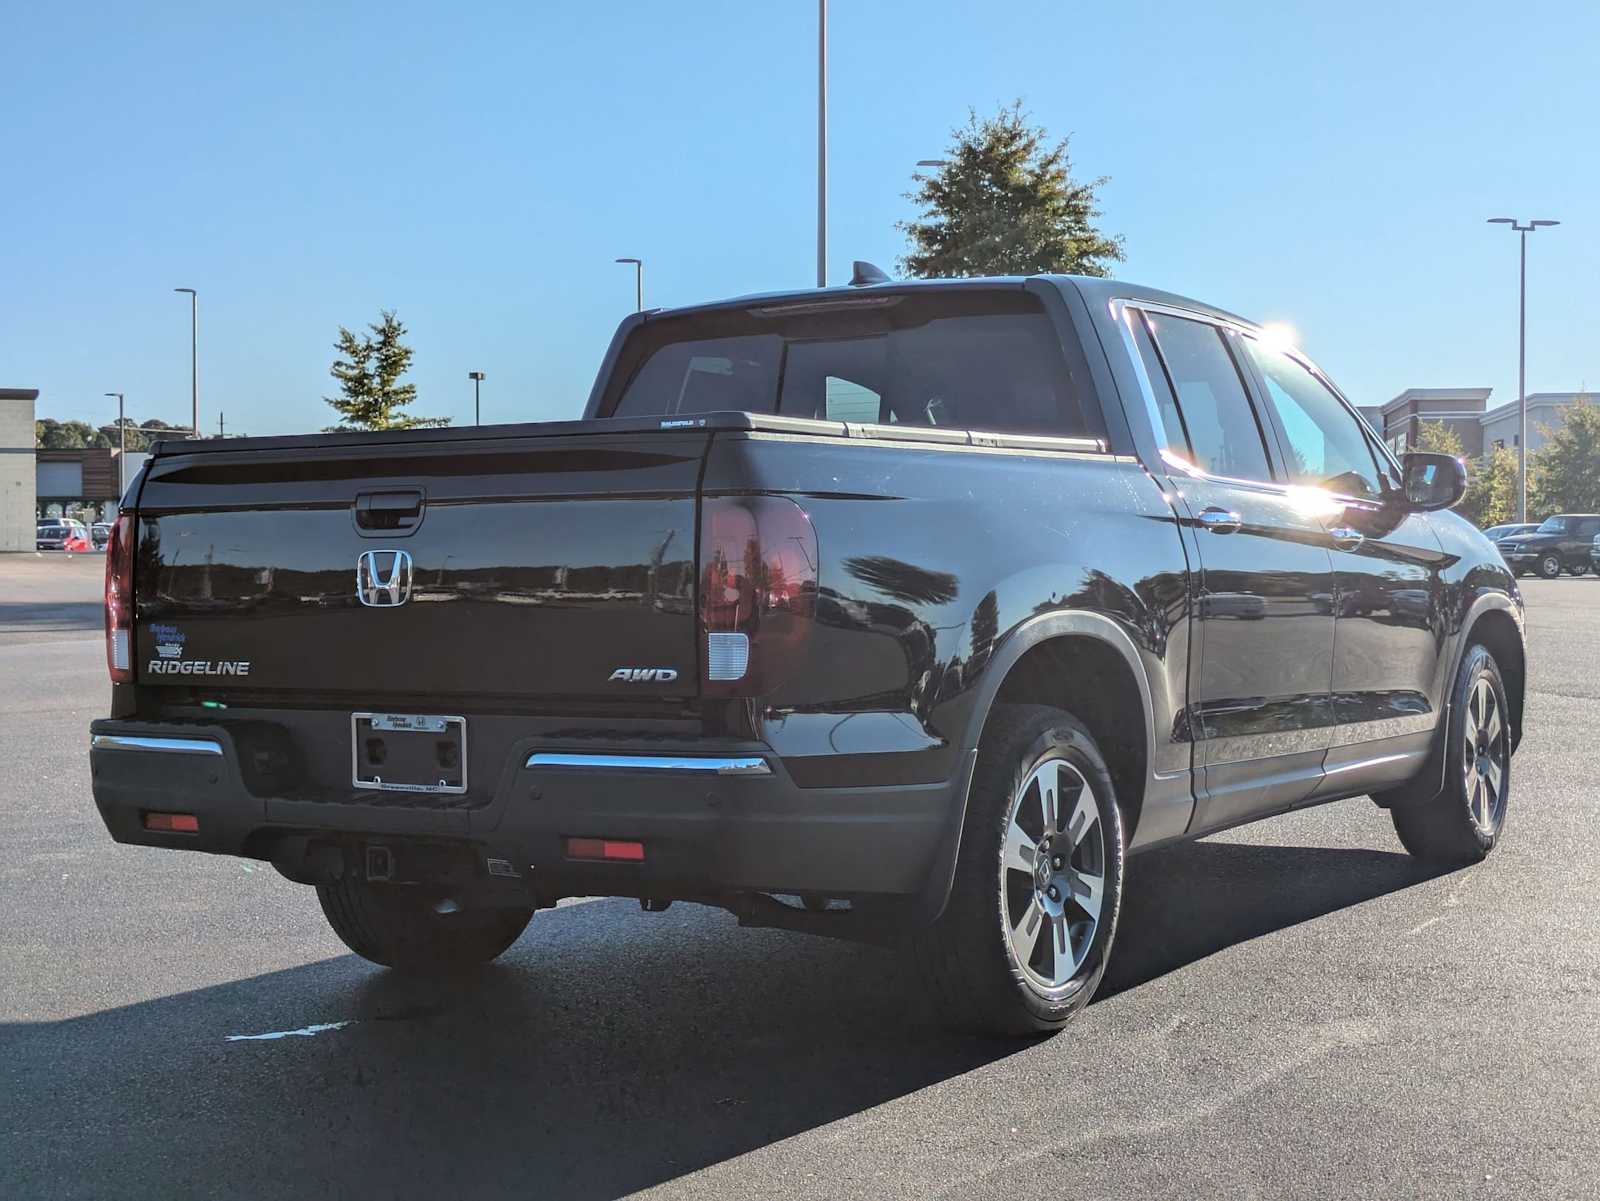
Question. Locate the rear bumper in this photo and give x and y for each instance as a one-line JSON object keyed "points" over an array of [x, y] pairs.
{"points": [[713, 820]]}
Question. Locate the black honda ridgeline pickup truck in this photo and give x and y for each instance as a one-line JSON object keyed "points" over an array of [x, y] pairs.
{"points": [[897, 612]]}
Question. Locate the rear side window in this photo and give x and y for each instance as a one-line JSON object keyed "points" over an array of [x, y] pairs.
{"points": [[964, 361], [1216, 420], [709, 375]]}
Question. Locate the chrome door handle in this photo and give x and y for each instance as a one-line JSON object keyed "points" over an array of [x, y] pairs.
{"points": [[1346, 538], [1220, 521]]}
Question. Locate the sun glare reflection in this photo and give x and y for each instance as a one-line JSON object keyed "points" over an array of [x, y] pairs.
{"points": [[1278, 335]]}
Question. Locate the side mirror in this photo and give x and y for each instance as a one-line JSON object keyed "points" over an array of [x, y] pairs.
{"points": [[1433, 481]]}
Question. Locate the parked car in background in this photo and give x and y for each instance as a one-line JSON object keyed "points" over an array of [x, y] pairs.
{"points": [[1496, 532], [1561, 543], [100, 534], [61, 535], [1594, 554]]}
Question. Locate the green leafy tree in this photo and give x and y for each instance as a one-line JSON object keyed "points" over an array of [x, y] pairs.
{"points": [[1491, 497], [49, 434], [368, 372], [1005, 203], [137, 439], [1564, 474], [1435, 437]]}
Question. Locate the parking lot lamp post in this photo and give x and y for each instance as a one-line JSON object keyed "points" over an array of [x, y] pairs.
{"points": [[122, 452], [477, 409], [638, 283], [194, 358], [1522, 357]]}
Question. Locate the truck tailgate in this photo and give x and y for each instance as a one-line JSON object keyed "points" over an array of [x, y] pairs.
{"points": [[525, 568]]}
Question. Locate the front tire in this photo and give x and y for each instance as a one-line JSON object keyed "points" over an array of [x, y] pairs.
{"points": [[1463, 821], [398, 926], [1549, 566], [1026, 935]]}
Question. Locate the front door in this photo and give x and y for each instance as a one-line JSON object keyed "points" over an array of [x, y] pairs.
{"points": [[1389, 633], [1260, 697]]}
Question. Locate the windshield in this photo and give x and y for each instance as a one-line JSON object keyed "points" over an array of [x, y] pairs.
{"points": [[1553, 525], [977, 361]]}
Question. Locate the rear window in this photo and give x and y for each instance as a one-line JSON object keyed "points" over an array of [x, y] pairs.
{"points": [[975, 361]]}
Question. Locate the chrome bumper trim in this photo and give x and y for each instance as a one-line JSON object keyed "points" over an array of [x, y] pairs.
{"points": [[742, 766], [175, 746]]}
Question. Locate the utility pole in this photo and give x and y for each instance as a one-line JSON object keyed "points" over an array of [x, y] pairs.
{"points": [[822, 143], [477, 378], [221, 428]]}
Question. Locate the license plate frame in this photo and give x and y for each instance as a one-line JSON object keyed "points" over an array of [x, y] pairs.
{"points": [[409, 730]]}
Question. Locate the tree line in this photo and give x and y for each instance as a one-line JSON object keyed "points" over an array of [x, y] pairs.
{"points": [[1563, 474], [49, 434]]}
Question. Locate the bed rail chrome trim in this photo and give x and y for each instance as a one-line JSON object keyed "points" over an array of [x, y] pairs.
{"points": [[139, 742], [743, 765]]}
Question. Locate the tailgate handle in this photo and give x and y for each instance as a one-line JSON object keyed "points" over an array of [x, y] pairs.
{"points": [[397, 512]]}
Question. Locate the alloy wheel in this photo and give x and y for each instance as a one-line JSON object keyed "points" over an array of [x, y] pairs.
{"points": [[1485, 754], [1053, 874]]}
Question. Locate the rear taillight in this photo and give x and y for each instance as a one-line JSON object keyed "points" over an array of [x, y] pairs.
{"points": [[758, 591], [119, 601]]}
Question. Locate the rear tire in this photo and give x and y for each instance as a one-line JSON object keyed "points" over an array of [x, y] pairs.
{"points": [[1549, 566], [1026, 935], [395, 925], [1463, 821], [1578, 567]]}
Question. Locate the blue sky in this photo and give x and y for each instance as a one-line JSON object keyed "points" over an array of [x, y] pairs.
{"points": [[478, 167]]}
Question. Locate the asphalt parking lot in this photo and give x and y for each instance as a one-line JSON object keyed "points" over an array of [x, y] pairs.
{"points": [[1294, 1010]]}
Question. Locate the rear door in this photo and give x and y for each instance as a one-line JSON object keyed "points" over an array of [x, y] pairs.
{"points": [[525, 569], [1260, 706]]}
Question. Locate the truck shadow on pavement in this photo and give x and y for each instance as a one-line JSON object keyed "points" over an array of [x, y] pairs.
{"points": [[608, 1051]]}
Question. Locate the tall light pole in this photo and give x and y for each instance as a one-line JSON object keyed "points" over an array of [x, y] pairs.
{"points": [[638, 283], [822, 143], [477, 410], [1522, 357], [122, 450], [194, 357]]}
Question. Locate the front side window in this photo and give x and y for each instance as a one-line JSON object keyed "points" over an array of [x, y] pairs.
{"points": [[1553, 525], [966, 361], [1328, 447], [1216, 421]]}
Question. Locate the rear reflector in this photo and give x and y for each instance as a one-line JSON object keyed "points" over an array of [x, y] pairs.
{"points": [[172, 823], [604, 848]]}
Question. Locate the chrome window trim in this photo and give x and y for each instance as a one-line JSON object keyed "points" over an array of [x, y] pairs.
{"points": [[1173, 458], [141, 742], [741, 765]]}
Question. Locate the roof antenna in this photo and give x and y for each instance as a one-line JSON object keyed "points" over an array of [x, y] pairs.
{"points": [[863, 274]]}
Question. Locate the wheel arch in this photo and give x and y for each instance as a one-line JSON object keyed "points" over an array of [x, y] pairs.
{"points": [[1494, 619], [1500, 632], [1021, 671]]}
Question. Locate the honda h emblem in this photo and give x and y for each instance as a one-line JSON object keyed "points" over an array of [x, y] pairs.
{"points": [[383, 578]]}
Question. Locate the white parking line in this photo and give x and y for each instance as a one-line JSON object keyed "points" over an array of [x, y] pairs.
{"points": [[303, 1032]]}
